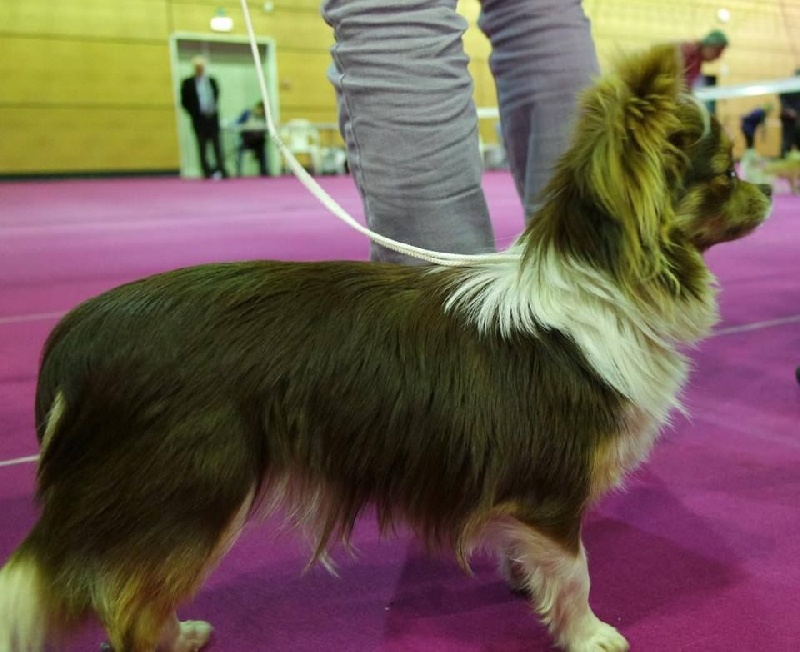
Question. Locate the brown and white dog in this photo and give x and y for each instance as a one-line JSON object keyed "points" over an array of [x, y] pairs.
{"points": [[487, 405]]}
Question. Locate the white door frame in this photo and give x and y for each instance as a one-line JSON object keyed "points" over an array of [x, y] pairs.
{"points": [[270, 65]]}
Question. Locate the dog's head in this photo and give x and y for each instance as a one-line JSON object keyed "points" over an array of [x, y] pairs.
{"points": [[649, 182]]}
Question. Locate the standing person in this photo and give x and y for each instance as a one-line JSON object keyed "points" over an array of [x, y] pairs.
{"points": [[695, 53], [754, 122], [408, 118], [200, 99]]}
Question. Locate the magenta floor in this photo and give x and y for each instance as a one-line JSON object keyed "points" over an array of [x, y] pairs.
{"points": [[699, 554]]}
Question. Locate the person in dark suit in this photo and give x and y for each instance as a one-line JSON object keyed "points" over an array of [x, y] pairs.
{"points": [[200, 99]]}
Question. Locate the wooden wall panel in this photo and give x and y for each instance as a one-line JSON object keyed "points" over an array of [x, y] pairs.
{"points": [[42, 140], [475, 43], [257, 6], [109, 19], [99, 71], [87, 73], [303, 82], [291, 30], [478, 49]]}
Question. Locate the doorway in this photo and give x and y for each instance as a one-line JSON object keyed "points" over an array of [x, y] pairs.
{"points": [[230, 60]]}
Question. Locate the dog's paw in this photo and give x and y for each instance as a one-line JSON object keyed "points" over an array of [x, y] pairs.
{"points": [[194, 635], [602, 638]]}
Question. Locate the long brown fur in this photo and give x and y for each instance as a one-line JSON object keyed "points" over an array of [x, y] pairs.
{"points": [[166, 405]]}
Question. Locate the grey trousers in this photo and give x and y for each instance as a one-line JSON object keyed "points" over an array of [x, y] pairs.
{"points": [[408, 119]]}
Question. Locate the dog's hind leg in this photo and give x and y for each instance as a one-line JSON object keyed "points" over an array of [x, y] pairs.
{"points": [[138, 506], [555, 575], [187, 636], [151, 630], [137, 605]]}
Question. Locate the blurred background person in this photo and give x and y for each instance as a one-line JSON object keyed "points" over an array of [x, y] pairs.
{"points": [[695, 53], [252, 127], [753, 123], [200, 99]]}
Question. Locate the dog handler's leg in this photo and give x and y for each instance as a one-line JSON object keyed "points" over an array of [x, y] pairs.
{"points": [[407, 115], [542, 57], [558, 583]]}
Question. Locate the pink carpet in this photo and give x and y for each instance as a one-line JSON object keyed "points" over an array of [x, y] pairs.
{"points": [[698, 555]]}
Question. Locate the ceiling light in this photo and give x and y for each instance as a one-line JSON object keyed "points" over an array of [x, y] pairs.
{"points": [[221, 22]]}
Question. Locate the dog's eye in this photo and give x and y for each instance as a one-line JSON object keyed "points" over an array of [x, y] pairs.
{"points": [[731, 173]]}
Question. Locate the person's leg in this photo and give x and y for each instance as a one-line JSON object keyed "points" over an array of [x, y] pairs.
{"points": [[749, 139], [795, 142], [201, 135], [240, 152], [542, 57], [260, 151], [786, 138], [407, 115], [216, 141]]}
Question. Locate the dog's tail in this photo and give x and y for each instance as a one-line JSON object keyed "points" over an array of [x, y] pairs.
{"points": [[30, 607], [38, 602], [56, 371], [23, 605]]}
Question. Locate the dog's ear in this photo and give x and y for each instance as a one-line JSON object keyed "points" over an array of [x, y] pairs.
{"points": [[627, 157]]}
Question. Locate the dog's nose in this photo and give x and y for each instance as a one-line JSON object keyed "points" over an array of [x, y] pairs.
{"points": [[766, 189]]}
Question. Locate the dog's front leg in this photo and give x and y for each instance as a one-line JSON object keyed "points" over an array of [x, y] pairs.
{"points": [[556, 577]]}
